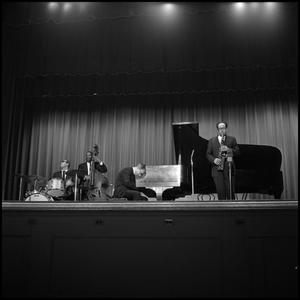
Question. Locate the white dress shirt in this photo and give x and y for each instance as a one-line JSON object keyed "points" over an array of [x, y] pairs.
{"points": [[89, 168], [220, 138]]}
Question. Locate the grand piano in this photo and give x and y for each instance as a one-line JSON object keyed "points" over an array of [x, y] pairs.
{"points": [[257, 168]]}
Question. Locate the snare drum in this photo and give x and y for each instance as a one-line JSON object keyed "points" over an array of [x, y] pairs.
{"points": [[39, 197], [55, 187]]}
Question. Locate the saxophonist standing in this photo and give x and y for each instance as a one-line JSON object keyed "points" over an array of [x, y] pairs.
{"points": [[218, 150]]}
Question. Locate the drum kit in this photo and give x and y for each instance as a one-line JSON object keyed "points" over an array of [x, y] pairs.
{"points": [[41, 190]]}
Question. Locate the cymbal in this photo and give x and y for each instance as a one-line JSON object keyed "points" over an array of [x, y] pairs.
{"points": [[72, 173], [20, 175], [32, 178], [37, 177]]}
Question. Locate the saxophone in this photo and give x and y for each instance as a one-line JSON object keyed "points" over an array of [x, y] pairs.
{"points": [[222, 155]]}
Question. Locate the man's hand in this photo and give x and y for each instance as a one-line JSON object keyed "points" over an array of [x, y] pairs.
{"points": [[217, 161], [69, 182], [96, 159], [224, 148]]}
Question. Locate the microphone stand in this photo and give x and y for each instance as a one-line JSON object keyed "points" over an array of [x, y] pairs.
{"points": [[192, 173], [75, 192], [229, 159]]}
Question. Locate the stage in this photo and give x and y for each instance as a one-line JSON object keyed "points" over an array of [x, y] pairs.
{"points": [[178, 204], [150, 249]]}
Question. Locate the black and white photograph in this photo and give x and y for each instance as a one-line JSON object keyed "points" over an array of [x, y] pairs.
{"points": [[149, 149]]}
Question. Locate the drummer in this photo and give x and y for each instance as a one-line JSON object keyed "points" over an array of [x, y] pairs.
{"points": [[64, 168], [69, 182]]}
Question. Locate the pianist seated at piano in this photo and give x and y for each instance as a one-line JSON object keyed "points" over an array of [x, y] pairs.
{"points": [[125, 185], [219, 151]]}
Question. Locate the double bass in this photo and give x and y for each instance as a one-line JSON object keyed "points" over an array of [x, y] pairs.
{"points": [[98, 183]]}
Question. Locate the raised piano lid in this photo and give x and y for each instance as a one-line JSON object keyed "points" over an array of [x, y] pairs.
{"points": [[187, 139], [184, 136]]}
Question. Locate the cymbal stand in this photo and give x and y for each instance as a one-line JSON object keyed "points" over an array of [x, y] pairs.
{"points": [[20, 188], [34, 185]]}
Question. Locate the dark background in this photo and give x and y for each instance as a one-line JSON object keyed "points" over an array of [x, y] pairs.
{"points": [[119, 74]]}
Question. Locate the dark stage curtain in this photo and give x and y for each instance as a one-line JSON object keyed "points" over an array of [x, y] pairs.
{"points": [[121, 82]]}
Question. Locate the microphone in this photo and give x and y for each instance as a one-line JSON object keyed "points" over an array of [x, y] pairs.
{"points": [[192, 154]]}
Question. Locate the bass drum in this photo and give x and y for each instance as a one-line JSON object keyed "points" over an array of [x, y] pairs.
{"points": [[55, 187], [97, 194], [39, 197]]}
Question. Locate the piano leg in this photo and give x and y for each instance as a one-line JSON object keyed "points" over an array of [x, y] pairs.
{"points": [[277, 195], [162, 193], [170, 194]]}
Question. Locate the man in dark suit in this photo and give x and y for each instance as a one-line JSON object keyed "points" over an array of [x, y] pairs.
{"points": [[87, 167], [64, 168], [68, 181], [220, 150], [125, 186]]}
